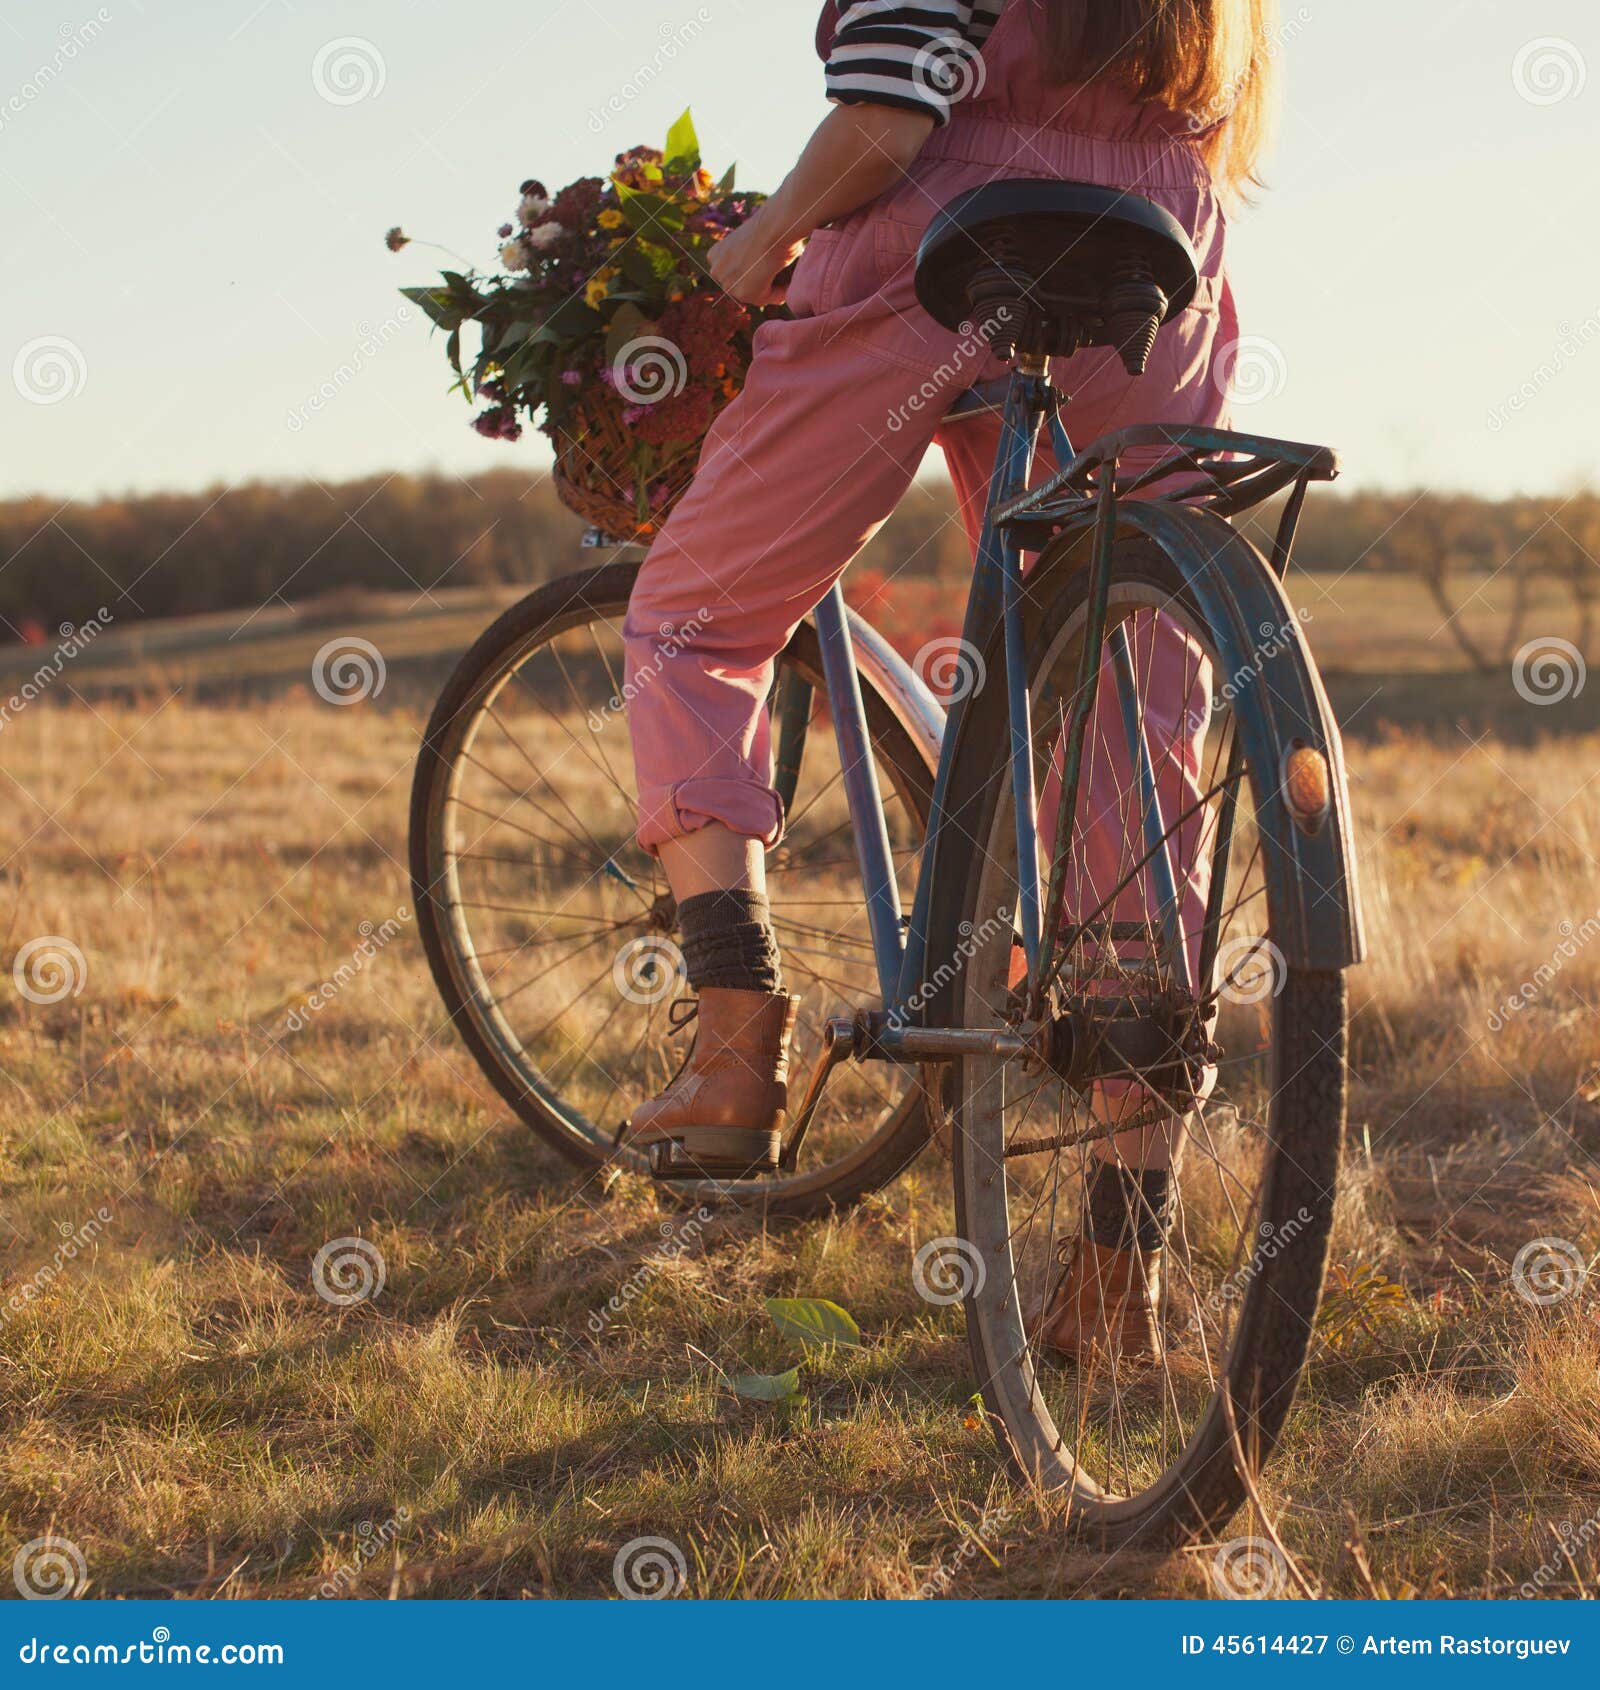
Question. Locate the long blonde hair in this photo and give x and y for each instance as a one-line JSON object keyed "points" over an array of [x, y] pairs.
{"points": [[1213, 60]]}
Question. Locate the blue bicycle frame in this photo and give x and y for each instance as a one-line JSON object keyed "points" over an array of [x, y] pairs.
{"points": [[995, 599], [1232, 472]]}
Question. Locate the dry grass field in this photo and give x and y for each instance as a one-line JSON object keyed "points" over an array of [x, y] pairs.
{"points": [[186, 1411]]}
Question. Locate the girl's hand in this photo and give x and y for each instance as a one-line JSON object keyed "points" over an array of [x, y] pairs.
{"points": [[744, 266]]}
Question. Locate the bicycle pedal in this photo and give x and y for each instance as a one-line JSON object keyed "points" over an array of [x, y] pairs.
{"points": [[670, 1159]]}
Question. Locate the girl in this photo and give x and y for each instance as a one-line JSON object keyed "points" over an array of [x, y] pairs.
{"points": [[1167, 99]]}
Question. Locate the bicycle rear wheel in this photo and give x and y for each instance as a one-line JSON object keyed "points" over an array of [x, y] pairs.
{"points": [[1148, 1452], [551, 934]]}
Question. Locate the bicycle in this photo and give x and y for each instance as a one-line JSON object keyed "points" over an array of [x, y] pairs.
{"points": [[1001, 1011]]}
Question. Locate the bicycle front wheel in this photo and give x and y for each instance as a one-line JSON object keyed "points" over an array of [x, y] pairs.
{"points": [[552, 935], [1147, 1450]]}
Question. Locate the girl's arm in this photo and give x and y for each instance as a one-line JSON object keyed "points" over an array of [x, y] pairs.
{"points": [[857, 153]]}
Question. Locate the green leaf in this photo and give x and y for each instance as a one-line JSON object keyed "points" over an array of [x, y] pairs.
{"points": [[768, 1387], [453, 350], [531, 361], [725, 186], [651, 215], [683, 146], [814, 1321], [436, 305], [625, 325], [463, 293], [510, 338], [572, 319]]}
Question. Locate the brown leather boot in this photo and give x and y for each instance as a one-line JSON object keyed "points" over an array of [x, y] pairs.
{"points": [[722, 1114], [1104, 1307]]}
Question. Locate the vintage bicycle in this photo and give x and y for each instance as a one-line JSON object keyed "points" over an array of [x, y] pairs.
{"points": [[994, 1014]]}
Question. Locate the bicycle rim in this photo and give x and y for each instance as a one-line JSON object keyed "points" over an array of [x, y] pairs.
{"points": [[1146, 1450], [552, 935]]}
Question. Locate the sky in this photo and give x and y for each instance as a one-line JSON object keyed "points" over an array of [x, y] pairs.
{"points": [[194, 195]]}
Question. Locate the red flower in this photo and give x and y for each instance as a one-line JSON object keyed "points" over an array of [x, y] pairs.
{"points": [[705, 327], [673, 422], [574, 207]]}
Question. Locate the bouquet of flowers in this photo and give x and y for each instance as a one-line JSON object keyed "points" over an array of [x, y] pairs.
{"points": [[606, 328]]}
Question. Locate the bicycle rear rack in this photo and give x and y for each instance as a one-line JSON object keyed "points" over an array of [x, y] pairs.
{"points": [[1209, 469]]}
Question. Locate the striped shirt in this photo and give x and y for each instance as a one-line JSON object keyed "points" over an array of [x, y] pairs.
{"points": [[918, 57]]}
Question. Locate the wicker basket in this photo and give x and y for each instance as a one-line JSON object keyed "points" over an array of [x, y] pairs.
{"points": [[596, 478]]}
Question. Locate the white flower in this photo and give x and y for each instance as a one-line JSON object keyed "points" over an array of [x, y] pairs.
{"points": [[544, 237], [515, 255], [530, 208]]}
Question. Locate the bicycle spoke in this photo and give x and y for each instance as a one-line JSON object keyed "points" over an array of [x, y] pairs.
{"points": [[1030, 1144], [526, 859]]}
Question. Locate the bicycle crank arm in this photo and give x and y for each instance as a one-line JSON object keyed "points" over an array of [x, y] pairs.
{"points": [[871, 1037], [836, 1047]]}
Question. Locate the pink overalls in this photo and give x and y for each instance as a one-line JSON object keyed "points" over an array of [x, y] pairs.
{"points": [[839, 407]]}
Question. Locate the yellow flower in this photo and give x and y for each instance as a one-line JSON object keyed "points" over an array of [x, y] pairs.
{"points": [[610, 219], [599, 283]]}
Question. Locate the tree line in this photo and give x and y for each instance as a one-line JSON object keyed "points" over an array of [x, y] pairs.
{"points": [[174, 554]]}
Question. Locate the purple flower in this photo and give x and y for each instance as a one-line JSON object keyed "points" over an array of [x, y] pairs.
{"points": [[504, 230], [571, 378], [500, 423]]}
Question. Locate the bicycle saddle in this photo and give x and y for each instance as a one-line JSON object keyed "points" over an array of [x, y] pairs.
{"points": [[1046, 267]]}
